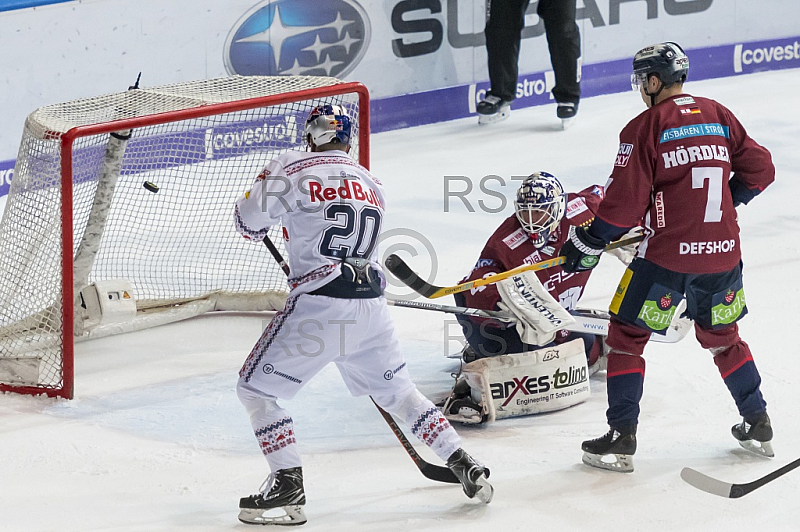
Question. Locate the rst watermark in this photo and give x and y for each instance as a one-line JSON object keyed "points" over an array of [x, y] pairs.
{"points": [[312, 337], [467, 192], [308, 337]]}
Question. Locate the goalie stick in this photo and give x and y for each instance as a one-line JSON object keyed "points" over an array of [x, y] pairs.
{"points": [[431, 471], [728, 490], [585, 321], [476, 312], [400, 269]]}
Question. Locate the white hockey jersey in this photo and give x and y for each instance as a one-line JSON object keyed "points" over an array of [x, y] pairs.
{"points": [[330, 207]]}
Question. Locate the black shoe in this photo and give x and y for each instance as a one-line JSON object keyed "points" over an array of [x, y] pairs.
{"points": [[459, 405], [472, 475], [493, 109], [755, 434], [285, 492], [491, 105], [466, 411], [567, 110], [619, 443]]}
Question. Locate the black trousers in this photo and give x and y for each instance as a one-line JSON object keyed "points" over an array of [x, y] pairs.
{"points": [[504, 33]]}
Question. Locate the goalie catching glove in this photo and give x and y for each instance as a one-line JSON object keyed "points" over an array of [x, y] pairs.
{"points": [[539, 315]]}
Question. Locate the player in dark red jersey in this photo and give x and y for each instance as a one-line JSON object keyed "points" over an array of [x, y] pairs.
{"points": [[544, 213], [683, 167]]}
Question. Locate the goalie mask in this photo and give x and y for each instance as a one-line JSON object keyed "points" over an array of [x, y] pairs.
{"points": [[539, 206], [328, 123]]}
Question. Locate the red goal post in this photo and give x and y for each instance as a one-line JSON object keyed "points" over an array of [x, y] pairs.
{"points": [[87, 251]]}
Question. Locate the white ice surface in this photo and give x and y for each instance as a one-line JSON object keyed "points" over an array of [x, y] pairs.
{"points": [[156, 439]]}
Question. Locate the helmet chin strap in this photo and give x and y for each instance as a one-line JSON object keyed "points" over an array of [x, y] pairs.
{"points": [[655, 94]]}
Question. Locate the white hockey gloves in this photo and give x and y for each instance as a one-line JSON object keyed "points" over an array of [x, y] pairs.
{"points": [[539, 315], [626, 254]]}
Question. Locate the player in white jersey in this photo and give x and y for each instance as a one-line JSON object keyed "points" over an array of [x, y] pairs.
{"points": [[331, 209]]}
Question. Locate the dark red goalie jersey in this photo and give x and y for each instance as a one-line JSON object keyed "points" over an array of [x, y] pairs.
{"points": [[510, 247], [675, 169]]}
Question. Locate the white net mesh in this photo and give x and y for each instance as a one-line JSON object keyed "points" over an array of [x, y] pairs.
{"points": [[174, 245]]}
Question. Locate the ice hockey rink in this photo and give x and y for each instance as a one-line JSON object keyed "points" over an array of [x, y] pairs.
{"points": [[156, 440]]}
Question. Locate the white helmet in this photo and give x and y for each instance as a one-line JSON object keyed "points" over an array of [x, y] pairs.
{"points": [[328, 122], [540, 205]]}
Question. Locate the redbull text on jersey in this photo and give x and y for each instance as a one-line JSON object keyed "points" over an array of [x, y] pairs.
{"points": [[349, 190]]}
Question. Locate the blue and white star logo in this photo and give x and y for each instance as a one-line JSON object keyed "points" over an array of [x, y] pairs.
{"points": [[298, 37]]}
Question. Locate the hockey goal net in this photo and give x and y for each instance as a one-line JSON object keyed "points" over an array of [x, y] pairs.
{"points": [[120, 218]]}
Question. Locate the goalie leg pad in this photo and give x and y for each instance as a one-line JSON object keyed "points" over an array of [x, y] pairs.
{"points": [[544, 380]]}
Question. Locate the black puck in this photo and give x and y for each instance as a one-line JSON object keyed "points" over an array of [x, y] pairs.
{"points": [[149, 185]]}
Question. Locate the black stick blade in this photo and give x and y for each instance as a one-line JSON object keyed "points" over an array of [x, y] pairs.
{"points": [[400, 269], [431, 471]]}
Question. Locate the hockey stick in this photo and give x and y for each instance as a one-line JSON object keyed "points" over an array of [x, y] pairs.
{"points": [[431, 471], [584, 323], [276, 254], [467, 311], [400, 269], [728, 490]]}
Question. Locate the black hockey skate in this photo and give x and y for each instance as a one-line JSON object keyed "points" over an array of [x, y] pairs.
{"points": [[280, 501], [464, 410], [472, 475], [460, 406], [566, 111], [613, 451], [755, 435], [493, 109]]}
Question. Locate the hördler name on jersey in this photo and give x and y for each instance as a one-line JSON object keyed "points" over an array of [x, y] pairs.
{"points": [[707, 248], [686, 155], [350, 189]]}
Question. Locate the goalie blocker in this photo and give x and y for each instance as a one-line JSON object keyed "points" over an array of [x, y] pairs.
{"points": [[548, 379]]}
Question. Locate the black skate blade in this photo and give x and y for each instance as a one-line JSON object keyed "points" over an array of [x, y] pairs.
{"points": [[622, 463], [291, 515]]}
